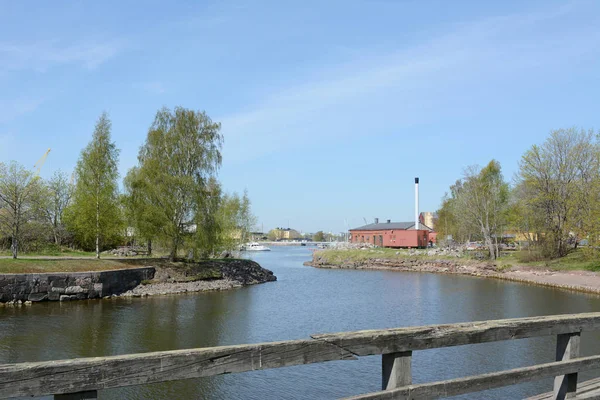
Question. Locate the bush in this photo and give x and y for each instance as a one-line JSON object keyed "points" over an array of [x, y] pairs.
{"points": [[530, 255]]}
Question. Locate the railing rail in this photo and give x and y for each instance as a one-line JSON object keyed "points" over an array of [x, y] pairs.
{"points": [[81, 378]]}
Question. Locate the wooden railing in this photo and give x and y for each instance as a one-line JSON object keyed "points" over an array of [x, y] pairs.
{"points": [[81, 378]]}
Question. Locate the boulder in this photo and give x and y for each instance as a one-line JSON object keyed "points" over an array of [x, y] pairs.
{"points": [[37, 297]]}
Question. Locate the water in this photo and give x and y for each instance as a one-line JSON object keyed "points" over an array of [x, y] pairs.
{"points": [[303, 301]]}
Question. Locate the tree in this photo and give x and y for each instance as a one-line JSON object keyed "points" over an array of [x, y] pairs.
{"points": [[180, 155], [213, 221], [19, 190], [480, 201], [95, 213], [319, 237], [57, 194], [560, 189], [245, 219]]}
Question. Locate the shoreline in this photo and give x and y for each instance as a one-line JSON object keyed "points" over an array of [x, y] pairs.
{"points": [[577, 281], [210, 275]]}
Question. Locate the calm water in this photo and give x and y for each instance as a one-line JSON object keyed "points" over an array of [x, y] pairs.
{"points": [[303, 301]]}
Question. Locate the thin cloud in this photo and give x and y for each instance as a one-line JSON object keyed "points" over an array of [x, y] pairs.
{"points": [[153, 87], [416, 80], [43, 55], [15, 108]]}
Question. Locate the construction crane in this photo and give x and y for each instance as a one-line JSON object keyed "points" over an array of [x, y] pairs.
{"points": [[38, 165]]}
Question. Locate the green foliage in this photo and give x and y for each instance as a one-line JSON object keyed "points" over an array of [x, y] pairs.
{"points": [[180, 156], [477, 205], [559, 185], [20, 194], [319, 237], [95, 215], [56, 196]]}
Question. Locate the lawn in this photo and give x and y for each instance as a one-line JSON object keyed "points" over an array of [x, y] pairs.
{"points": [[574, 261], [209, 269], [29, 265], [52, 252], [338, 257]]}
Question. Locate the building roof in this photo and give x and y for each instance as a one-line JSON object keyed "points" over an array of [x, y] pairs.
{"points": [[384, 226]]}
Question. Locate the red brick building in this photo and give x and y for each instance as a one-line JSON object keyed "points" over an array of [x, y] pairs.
{"points": [[392, 234]]}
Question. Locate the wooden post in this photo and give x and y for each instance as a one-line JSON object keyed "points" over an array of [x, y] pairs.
{"points": [[567, 348], [396, 370], [87, 395]]}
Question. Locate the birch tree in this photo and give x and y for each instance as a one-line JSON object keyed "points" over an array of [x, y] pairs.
{"points": [[57, 193], [95, 213], [19, 190], [181, 154], [560, 181], [482, 201]]}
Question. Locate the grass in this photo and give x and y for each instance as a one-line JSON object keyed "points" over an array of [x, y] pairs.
{"points": [[52, 252], [339, 257], [25, 265], [575, 261], [186, 271]]}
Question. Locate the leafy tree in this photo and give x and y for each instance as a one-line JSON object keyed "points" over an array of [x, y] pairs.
{"points": [[559, 181], [19, 193], [94, 214], [245, 219], [213, 221], [479, 203], [180, 155], [57, 193], [319, 237]]}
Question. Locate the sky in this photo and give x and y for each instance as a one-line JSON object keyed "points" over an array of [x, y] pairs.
{"points": [[329, 109]]}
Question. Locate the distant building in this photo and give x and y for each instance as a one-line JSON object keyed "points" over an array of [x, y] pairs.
{"points": [[393, 234], [428, 218], [284, 234]]}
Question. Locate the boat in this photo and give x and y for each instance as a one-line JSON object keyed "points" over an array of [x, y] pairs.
{"points": [[254, 246]]}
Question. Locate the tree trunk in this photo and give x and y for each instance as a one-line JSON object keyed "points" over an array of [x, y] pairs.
{"points": [[490, 245], [97, 226], [14, 247], [149, 247]]}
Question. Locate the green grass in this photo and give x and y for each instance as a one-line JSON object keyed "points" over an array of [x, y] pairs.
{"points": [[25, 265], [52, 252], [339, 257], [187, 271], [574, 261]]}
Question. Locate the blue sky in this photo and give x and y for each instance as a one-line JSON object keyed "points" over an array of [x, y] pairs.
{"points": [[329, 109]]}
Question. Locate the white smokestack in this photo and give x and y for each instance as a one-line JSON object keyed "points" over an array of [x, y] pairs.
{"points": [[417, 203]]}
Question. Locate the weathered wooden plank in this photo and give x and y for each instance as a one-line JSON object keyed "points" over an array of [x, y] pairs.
{"points": [[396, 370], [585, 390], [371, 342], [455, 387], [567, 348], [68, 376], [89, 395]]}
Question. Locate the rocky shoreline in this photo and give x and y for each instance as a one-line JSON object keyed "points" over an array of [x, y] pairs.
{"points": [[234, 274], [155, 279], [580, 281]]}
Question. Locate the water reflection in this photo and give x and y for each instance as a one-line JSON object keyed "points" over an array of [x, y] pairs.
{"points": [[303, 301]]}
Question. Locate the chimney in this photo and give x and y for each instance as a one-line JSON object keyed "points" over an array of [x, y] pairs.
{"points": [[389, 221], [417, 203], [376, 220]]}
